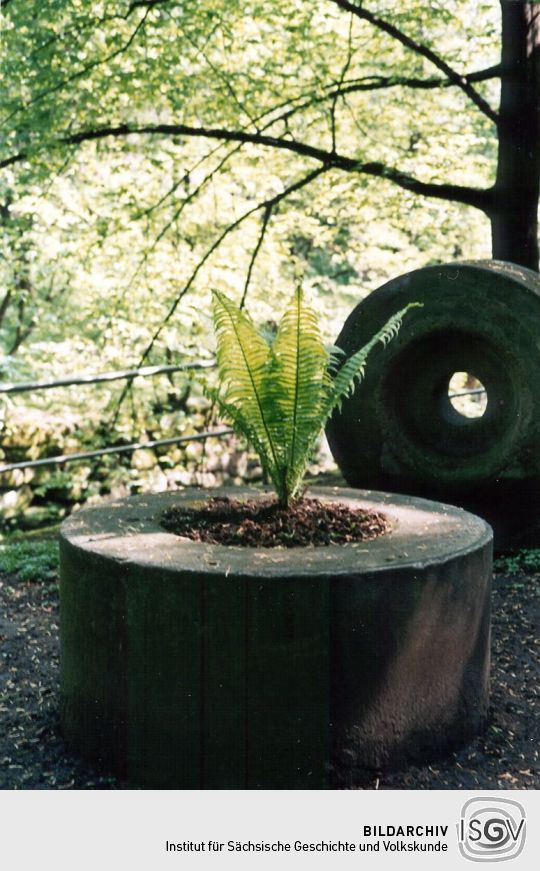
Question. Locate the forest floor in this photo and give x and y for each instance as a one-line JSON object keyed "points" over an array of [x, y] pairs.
{"points": [[33, 755]]}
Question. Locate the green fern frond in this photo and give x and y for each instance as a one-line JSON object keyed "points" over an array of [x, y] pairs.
{"points": [[243, 358], [280, 394], [300, 361], [351, 372], [245, 428]]}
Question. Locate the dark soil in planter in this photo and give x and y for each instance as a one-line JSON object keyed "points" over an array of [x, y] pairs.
{"points": [[33, 756], [265, 524]]}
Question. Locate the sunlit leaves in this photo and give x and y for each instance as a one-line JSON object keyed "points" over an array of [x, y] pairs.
{"points": [[117, 228]]}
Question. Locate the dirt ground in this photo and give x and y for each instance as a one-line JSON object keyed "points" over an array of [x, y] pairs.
{"points": [[33, 756]]}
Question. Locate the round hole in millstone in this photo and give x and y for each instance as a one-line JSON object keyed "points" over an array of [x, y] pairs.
{"points": [[467, 395]]}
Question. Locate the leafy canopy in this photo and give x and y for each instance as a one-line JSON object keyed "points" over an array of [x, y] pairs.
{"points": [[134, 216], [280, 393]]}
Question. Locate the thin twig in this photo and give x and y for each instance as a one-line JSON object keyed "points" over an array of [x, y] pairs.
{"points": [[265, 204], [387, 27], [265, 219]]}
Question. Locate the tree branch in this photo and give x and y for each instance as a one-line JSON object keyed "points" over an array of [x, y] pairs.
{"points": [[4, 305], [22, 330], [337, 91], [477, 197], [423, 50], [164, 230], [148, 4], [21, 336], [268, 205], [79, 73], [375, 83], [371, 83], [267, 214]]}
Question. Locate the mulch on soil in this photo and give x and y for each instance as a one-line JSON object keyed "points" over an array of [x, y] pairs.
{"points": [[33, 756], [264, 523]]}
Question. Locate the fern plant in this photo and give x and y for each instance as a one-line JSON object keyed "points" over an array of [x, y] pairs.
{"points": [[280, 393]]}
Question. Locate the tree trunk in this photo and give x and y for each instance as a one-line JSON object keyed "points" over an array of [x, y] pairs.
{"points": [[514, 214]]}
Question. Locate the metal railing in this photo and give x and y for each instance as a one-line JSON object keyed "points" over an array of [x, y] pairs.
{"points": [[473, 391], [90, 378], [126, 374], [85, 378], [60, 459]]}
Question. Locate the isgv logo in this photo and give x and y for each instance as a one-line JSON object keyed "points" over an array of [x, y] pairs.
{"points": [[491, 829]]}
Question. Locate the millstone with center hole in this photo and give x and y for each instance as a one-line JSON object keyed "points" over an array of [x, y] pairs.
{"points": [[400, 431], [191, 665]]}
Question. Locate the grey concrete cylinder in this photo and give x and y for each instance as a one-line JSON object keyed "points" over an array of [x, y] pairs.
{"points": [[400, 432], [191, 665]]}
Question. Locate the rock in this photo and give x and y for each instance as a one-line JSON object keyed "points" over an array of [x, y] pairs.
{"points": [[194, 450], [38, 515], [143, 459], [15, 501], [399, 431]]}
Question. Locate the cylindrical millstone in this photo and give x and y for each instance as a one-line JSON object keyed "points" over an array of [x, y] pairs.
{"points": [[192, 665], [400, 431]]}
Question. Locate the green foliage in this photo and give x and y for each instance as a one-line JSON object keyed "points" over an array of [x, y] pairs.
{"points": [[525, 560], [99, 243], [113, 228], [30, 560], [279, 394]]}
